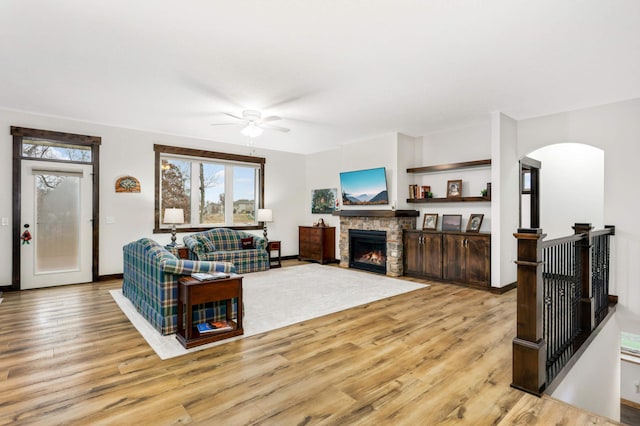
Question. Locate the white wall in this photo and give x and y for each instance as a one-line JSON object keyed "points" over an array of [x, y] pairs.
{"points": [[130, 152], [593, 383], [505, 199], [614, 128], [630, 381], [571, 187], [405, 159]]}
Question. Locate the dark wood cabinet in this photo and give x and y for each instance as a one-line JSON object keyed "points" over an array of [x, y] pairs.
{"points": [[423, 254], [458, 257], [479, 260], [317, 243], [467, 258], [454, 254]]}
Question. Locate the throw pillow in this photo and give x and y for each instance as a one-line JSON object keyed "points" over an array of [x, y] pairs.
{"points": [[206, 243], [247, 243]]}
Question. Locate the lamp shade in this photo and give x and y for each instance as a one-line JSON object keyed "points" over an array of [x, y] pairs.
{"points": [[174, 216], [265, 215]]}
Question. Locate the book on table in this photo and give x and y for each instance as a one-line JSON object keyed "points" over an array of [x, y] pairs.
{"points": [[207, 276], [215, 326]]}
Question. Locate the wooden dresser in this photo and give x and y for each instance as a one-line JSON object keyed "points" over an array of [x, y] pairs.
{"points": [[317, 243]]}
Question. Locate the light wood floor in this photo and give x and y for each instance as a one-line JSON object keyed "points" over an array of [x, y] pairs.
{"points": [[440, 355]]}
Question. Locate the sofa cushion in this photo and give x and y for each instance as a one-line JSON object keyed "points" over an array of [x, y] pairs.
{"points": [[247, 243]]}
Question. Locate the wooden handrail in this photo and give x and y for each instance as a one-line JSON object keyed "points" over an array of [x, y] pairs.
{"points": [[562, 240]]}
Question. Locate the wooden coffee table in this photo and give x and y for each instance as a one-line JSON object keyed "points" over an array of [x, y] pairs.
{"points": [[192, 292]]}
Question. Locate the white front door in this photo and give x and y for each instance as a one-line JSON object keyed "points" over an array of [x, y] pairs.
{"points": [[57, 205]]}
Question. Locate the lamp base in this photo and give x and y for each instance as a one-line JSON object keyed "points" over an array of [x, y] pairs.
{"points": [[264, 232], [173, 236]]}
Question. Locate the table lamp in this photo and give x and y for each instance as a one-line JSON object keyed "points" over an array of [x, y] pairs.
{"points": [[174, 217], [265, 215]]}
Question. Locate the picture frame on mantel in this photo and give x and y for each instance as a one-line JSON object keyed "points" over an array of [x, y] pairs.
{"points": [[430, 222], [451, 222]]}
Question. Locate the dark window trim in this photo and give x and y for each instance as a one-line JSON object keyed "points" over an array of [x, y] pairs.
{"points": [[94, 142], [199, 153]]}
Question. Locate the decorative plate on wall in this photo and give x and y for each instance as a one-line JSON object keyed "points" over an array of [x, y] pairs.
{"points": [[127, 184]]}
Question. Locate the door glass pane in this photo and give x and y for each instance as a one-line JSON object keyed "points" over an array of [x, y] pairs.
{"points": [[244, 195], [57, 231], [212, 195]]}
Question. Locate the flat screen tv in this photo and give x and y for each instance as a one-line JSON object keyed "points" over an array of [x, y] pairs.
{"points": [[364, 187]]}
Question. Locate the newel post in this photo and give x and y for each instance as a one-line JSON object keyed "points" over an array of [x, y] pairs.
{"points": [[529, 348], [583, 252]]}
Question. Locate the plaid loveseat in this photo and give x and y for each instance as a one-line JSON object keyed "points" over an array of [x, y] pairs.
{"points": [[225, 245], [151, 275]]}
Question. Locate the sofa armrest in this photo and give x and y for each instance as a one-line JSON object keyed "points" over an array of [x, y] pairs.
{"points": [[260, 243], [193, 245], [186, 267]]}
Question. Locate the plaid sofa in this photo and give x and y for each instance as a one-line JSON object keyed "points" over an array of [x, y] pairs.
{"points": [[151, 275], [225, 245]]}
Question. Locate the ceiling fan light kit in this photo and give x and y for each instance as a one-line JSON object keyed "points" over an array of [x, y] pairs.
{"points": [[252, 130]]}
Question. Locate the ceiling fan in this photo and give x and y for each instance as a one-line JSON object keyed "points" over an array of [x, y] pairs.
{"points": [[253, 123]]}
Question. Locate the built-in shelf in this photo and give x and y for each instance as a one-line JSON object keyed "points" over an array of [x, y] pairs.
{"points": [[449, 200], [377, 213], [448, 167], [451, 166]]}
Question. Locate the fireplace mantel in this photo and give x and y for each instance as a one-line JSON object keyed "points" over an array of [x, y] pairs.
{"points": [[377, 213]]}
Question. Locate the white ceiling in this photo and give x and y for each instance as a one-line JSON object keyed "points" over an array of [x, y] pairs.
{"points": [[335, 70]]}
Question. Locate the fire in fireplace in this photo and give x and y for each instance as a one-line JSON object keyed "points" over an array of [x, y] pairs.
{"points": [[368, 250]]}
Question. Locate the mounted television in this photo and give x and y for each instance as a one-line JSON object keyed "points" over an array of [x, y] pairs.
{"points": [[364, 187]]}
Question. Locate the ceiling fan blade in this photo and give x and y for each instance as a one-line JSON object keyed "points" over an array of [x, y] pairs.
{"points": [[224, 124], [278, 128], [271, 118], [234, 116]]}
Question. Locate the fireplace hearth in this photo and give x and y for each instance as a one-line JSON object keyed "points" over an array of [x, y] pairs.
{"points": [[368, 250]]}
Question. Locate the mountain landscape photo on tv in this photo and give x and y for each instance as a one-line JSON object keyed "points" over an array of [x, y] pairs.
{"points": [[363, 187]]}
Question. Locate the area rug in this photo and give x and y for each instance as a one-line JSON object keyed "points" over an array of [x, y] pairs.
{"points": [[281, 297]]}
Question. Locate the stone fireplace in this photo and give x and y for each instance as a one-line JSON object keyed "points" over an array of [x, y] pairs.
{"points": [[391, 222]]}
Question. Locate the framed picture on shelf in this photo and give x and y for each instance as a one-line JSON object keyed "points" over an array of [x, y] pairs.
{"points": [[454, 188], [475, 220], [451, 222], [430, 221]]}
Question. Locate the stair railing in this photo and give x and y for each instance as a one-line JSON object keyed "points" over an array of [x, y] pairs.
{"points": [[563, 294]]}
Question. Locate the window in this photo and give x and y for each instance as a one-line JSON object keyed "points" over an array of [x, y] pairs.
{"points": [[40, 149], [212, 188], [630, 344]]}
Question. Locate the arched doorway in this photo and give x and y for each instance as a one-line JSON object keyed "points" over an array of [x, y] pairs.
{"points": [[571, 187]]}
